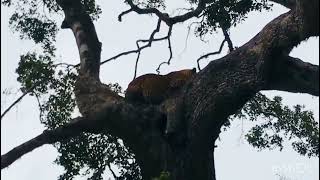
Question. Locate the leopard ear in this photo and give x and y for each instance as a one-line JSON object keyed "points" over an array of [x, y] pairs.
{"points": [[194, 70]]}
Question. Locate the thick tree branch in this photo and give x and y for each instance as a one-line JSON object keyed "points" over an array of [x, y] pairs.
{"points": [[117, 118], [85, 34], [47, 137], [226, 84], [293, 75]]}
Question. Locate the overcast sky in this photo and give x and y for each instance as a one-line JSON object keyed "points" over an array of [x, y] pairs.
{"points": [[235, 159]]}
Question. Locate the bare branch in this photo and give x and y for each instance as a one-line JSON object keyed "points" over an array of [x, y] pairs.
{"points": [[165, 17], [150, 40], [136, 66], [170, 51], [119, 55], [147, 45], [18, 100], [210, 54], [112, 172], [123, 13]]}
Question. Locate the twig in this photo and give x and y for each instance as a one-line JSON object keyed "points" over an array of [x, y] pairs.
{"points": [[123, 13], [209, 54], [136, 66], [150, 40], [112, 172], [19, 99], [164, 17], [147, 45], [170, 51], [40, 106], [187, 37]]}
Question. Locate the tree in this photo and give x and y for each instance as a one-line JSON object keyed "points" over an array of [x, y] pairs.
{"points": [[217, 91]]}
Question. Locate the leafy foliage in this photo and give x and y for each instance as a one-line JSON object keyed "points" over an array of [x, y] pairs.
{"points": [[94, 153], [227, 13], [38, 25], [35, 71], [279, 123], [159, 4]]}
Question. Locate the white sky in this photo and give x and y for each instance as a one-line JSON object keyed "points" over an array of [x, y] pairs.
{"points": [[235, 159]]}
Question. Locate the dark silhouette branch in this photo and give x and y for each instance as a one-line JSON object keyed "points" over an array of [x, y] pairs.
{"points": [[210, 54], [170, 51], [165, 17], [113, 117], [140, 48], [123, 13], [18, 100], [151, 39], [112, 172]]}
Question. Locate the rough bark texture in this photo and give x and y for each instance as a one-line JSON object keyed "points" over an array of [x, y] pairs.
{"points": [[215, 93]]}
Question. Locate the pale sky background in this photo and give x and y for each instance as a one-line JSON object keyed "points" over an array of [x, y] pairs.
{"points": [[235, 159]]}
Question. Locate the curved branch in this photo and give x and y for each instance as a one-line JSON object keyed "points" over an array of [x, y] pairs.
{"points": [[124, 13], [165, 17], [17, 100], [210, 54], [170, 51], [150, 40], [112, 172], [294, 75], [115, 117]]}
